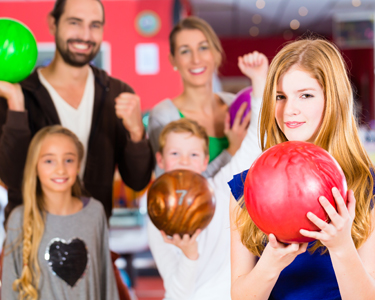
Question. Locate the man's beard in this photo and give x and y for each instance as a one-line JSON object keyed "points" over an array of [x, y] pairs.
{"points": [[75, 59]]}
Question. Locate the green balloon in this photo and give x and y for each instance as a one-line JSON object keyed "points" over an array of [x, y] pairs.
{"points": [[18, 51]]}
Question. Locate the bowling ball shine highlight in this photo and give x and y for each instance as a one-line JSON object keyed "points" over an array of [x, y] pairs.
{"points": [[18, 51], [285, 183], [181, 202]]}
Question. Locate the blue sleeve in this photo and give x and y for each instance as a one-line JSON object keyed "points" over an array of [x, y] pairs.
{"points": [[237, 185]]}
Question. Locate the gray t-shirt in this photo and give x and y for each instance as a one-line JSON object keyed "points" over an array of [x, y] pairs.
{"points": [[73, 255]]}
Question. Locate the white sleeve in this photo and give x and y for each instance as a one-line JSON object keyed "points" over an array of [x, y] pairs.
{"points": [[249, 151], [178, 272], [215, 166]]}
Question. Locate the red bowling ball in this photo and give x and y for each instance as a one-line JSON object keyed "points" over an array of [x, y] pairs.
{"points": [[285, 183]]}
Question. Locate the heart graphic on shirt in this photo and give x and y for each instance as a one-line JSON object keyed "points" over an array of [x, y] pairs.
{"points": [[67, 260]]}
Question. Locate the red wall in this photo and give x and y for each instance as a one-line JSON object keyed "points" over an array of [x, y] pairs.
{"points": [[120, 32], [235, 47], [361, 69]]}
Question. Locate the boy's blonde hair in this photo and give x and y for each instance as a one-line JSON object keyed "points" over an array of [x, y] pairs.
{"points": [[181, 126]]}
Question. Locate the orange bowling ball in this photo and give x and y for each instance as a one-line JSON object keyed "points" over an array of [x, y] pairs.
{"points": [[181, 202]]}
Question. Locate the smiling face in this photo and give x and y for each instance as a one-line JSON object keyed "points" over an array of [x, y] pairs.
{"points": [[299, 105], [58, 164], [193, 57], [183, 150], [79, 32]]}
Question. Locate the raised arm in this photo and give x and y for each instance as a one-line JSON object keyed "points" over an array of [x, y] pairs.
{"points": [[12, 93], [255, 66], [15, 136], [215, 165], [135, 158]]}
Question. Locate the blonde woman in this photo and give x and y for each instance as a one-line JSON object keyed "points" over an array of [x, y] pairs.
{"points": [[57, 241], [196, 53], [308, 97]]}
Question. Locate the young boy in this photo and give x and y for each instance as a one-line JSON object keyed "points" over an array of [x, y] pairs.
{"points": [[198, 267]]}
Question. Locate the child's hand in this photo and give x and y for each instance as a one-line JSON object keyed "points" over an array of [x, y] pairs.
{"points": [[253, 64], [278, 256], [187, 244], [335, 235], [13, 93], [237, 133]]}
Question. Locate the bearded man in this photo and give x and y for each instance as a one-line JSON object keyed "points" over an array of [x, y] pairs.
{"points": [[102, 111]]}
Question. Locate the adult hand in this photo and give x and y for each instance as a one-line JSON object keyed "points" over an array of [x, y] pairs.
{"points": [[128, 108], [12, 92], [237, 133], [278, 256], [335, 235], [255, 66], [187, 244]]}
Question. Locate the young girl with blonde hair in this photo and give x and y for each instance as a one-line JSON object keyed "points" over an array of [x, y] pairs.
{"points": [[57, 241], [308, 97]]}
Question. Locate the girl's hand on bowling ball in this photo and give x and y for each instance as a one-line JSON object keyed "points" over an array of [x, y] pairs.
{"points": [[187, 244], [128, 108], [13, 93], [335, 235], [237, 133], [281, 255]]}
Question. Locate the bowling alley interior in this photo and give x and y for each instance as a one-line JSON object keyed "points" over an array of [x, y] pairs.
{"points": [[135, 49]]}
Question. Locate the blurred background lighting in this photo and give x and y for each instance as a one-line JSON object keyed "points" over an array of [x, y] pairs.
{"points": [[260, 4], [356, 3], [303, 11], [256, 19], [254, 31], [288, 34], [294, 24]]}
